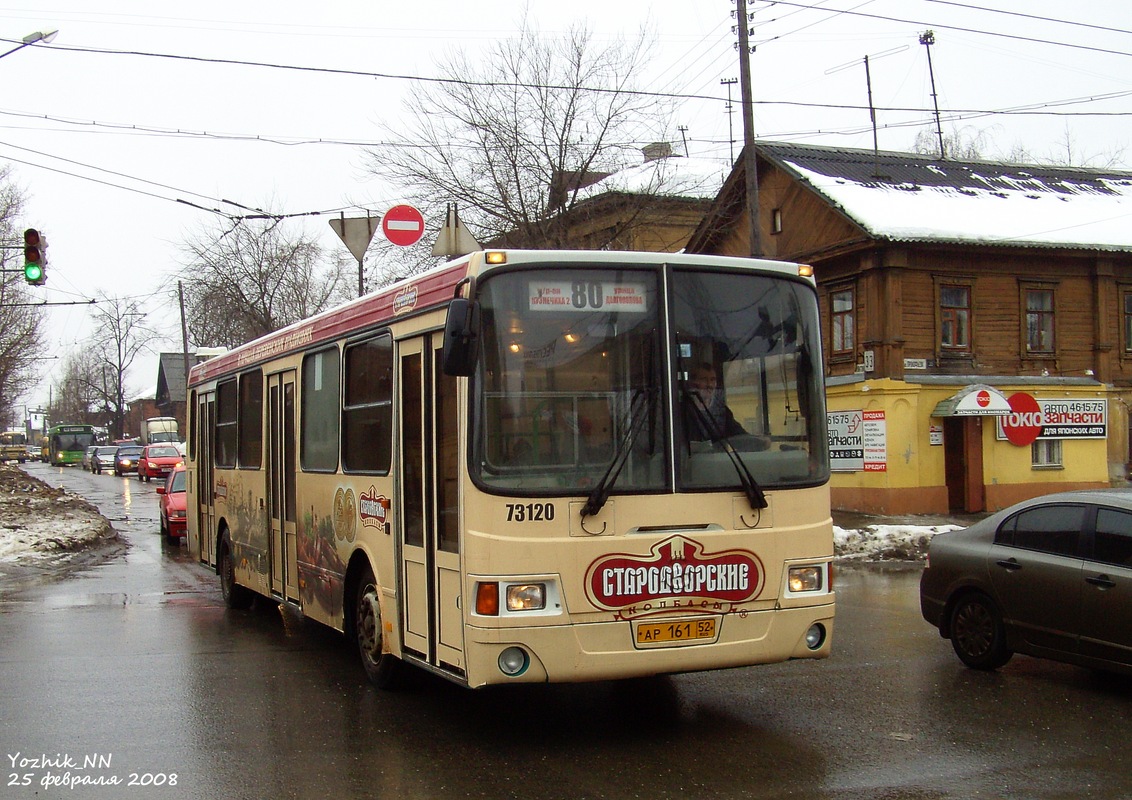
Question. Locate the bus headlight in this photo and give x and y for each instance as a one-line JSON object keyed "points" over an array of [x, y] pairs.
{"points": [[805, 579], [526, 597]]}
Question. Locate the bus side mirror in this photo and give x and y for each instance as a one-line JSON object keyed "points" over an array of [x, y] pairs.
{"points": [[461, 337]]}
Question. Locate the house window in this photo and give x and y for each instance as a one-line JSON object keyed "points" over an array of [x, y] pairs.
{"points": [[1045, 454], [1039, 320], [842, 321], [1128, 322], [955, 318]]}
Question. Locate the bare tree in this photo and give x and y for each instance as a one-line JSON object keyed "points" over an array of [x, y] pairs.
{"points": [[513, 137], [93, 387], [968, 144], [22, 341], [246, 279], [81, 393]]}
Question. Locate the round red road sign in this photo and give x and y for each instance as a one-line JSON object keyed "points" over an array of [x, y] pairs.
{"points": [[403, 225], [1024, 422]]}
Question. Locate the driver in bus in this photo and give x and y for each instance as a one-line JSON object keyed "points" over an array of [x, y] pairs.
{"points": [[709, 419]]}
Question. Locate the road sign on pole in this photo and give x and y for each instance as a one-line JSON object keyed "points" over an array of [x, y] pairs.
{"points": [[403, 225], [454, 239], [355, 233]]}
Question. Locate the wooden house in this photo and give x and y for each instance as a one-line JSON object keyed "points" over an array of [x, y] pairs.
{"points": [[977, 318]]}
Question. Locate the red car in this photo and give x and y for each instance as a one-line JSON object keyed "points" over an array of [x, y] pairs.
{"points": [[157, 461], [172, 504]]}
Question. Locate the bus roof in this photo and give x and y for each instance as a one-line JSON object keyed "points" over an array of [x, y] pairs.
{"points": [[433, 289]]}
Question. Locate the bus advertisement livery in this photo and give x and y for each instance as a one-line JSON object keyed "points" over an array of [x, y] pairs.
{"points": [[532, 466]]}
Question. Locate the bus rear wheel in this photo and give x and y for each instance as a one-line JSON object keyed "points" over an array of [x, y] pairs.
{"points": [[235, 596], [381, 668]]}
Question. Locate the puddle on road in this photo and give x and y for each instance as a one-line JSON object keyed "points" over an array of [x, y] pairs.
{"points": [[125, 599]]}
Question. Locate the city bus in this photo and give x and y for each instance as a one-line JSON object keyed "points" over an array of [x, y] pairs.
{"points": [[67, 443], [488, 471], [14, 446]]}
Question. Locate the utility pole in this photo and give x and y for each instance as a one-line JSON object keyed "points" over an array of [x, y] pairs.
{"points": [[184, 340], [729, 108], [750, 166], [927, 39]]}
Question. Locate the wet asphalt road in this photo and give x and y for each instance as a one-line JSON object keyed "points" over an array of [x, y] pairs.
{"points": [[134, 669]]}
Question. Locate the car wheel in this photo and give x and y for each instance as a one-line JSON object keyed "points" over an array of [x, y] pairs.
{"points": [[235, 596], [383, 669], [977, 633]]}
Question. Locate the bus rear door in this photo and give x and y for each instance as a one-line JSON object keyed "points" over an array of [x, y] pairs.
{"points": [[205, 431], [281, 484]]}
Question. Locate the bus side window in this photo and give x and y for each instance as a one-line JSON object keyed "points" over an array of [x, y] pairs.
{"points": [[367, 414]]}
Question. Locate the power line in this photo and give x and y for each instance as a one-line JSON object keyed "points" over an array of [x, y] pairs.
{"points": [[943, 26], [1035, 17]]}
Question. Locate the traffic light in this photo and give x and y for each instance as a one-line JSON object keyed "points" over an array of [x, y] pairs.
{"points": [[35, 257]]}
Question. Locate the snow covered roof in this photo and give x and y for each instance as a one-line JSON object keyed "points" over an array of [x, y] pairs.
{"points": [[910, 197], [672, 176]]}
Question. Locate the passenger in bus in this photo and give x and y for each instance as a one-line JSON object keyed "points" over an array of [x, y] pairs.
{"points": [[709, 418]]}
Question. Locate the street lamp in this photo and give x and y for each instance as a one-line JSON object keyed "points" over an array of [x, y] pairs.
{"points": [[32, 38]]}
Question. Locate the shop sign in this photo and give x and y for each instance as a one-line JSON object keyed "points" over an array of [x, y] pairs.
{"points": [[858, 441], [1030, 419]]}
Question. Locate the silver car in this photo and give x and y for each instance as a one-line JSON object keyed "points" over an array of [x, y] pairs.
{"points": [[1049, 577]]}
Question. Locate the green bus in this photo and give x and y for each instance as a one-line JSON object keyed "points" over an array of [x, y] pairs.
{"points": [[67, 443]]}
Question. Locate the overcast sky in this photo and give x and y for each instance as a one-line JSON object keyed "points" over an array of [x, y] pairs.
{"points": [[129, 112]]}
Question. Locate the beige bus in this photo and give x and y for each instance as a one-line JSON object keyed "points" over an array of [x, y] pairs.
{"points": [[532, 466]]}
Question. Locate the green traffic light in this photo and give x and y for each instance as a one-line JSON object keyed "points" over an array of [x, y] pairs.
{"points": [[33, 273]]}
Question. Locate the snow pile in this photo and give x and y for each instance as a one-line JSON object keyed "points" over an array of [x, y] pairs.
{"points": [[883, 542], [40, 523]]}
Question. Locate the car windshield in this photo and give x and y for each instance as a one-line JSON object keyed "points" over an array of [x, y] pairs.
{"points": [[177, 484], [129, 451], [163, 452], [106, 451]]}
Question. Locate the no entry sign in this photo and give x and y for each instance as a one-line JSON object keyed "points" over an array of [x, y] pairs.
{"points": [[403, 225]]}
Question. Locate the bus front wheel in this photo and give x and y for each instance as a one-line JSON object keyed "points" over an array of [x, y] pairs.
{"points": [[381, 668]]}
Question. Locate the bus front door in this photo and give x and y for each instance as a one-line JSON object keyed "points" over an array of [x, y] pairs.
{"points": [[428, 528], [281, 484]]}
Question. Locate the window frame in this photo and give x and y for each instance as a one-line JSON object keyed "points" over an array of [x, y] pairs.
{"points": [[375, 412], [1047, 454], [1028, 350], [319, 459], [835, 316], [226, 437], [1126, 320], [249, 419], [960, 317], [1007, 534]]}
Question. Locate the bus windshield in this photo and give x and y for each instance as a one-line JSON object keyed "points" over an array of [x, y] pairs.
{"points": [[578, 374]]}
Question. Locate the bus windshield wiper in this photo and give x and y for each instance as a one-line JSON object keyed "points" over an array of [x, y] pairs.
{"points": [[751, 487], [600, 493]]}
